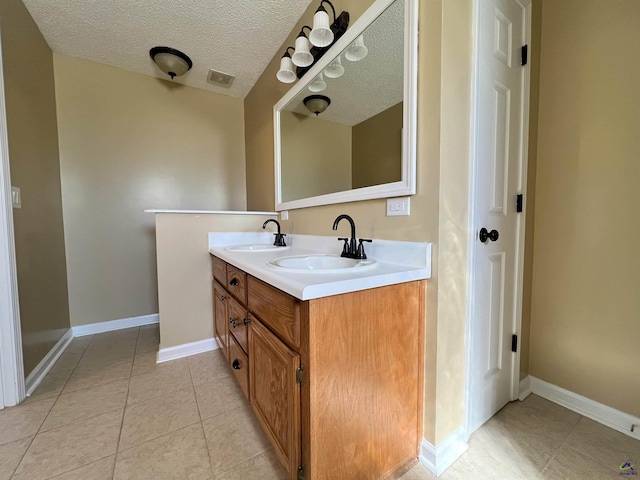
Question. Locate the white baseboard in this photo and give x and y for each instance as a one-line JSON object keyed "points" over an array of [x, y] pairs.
{"points": [[101, 327], [49, 360], [525, 388], [598, 412], [186, 349], [440, 457]]}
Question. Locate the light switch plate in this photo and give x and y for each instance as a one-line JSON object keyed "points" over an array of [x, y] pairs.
{"points": [[398, 206], [16, 198]]}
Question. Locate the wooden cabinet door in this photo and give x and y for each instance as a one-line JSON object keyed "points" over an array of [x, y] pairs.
{"points": [[220, 322], [275, 394]]}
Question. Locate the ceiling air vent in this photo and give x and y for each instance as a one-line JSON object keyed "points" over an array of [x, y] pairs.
{"points": [[219, 78]]}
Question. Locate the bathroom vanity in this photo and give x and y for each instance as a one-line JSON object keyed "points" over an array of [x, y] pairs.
{"points": [[332, 364]]}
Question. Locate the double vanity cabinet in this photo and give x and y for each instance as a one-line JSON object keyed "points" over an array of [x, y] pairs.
{"points": [[336, 382]]}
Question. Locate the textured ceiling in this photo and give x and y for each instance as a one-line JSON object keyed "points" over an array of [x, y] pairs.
{"points": [[238, 37]]}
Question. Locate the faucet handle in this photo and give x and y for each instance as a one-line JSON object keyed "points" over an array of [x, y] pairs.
{"points": [[345, 247], [279, 240], [360, 253]]}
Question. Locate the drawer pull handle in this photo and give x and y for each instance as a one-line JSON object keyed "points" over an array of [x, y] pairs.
{"points": [[234, 282], [236, 364], [246, 321], [233, 322]]}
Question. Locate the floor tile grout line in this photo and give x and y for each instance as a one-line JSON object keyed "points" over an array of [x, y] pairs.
{"points": [[159, 436], [206, 443], [609, 467], [55, 400], [124, 411], [56, 397], [81, 420], [246, 459], [77, 468], [73, 370], [33, 439], [562, 443], [22, 457]]}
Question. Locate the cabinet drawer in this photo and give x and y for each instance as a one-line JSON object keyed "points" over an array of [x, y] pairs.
{"points": [[237, 283], [277, 310], [219, 268], [238, 323], [239, 365]]}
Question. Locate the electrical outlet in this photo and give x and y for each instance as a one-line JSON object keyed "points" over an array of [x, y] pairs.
{"points": [[284, 215], [397, 206], [16, 199]]}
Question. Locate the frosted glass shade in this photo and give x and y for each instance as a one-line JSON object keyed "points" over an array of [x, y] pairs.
{"points": [[286, 73], [357, 50], [171, 61], [302, 56], [318, 84], [317, 103], [321, 35], [335, 69]]}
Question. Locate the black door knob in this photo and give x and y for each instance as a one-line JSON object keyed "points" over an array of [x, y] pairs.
{"points": [[236, 364], [488, 235]]}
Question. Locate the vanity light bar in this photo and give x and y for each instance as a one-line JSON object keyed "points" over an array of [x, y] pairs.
{"points": [[309, 50]]}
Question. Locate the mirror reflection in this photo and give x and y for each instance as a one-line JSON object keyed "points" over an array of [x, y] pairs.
{"points": [[343, 131]]}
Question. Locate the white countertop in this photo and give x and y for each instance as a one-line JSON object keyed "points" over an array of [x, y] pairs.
{"points": [[218, 212], [396, 262]]}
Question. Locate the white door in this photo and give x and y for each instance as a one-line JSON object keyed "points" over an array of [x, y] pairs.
{"points": [[500, 171], [11, 369]]}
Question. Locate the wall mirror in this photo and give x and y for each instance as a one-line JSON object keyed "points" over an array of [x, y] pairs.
{"points": [[361, 143]]}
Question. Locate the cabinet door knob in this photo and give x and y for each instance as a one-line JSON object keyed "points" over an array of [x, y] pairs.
{"points": [[234, 282], [246, 321], [233, 322], [236, 364]]}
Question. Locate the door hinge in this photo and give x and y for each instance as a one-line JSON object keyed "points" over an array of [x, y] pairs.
{"points": [[300, 473], [519, 203], [524, 54], [300, 375], [514, 343]]}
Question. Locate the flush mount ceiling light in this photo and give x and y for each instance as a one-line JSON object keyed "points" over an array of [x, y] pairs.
{"points": [[309, 49], [317, 103], [171, 61]]}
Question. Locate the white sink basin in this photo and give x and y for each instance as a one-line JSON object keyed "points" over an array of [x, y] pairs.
{"points": [[320, 263], [257, 247]]}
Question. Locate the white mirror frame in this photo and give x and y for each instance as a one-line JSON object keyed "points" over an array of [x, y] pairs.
{"points": [[407, 185]]}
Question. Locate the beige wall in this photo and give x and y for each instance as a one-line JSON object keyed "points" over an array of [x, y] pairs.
{"points": [[35, 168], [377, 149], [129, 142], [585, 320], [184, 272], [310, 165], [438, 210]]}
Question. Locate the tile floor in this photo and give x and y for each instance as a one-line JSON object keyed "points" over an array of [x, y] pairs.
{"points": [[108, 411]]}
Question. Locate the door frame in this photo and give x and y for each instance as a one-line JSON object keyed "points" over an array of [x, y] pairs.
{"points": [[12, 383], [473, 223]]}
